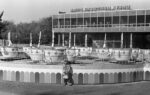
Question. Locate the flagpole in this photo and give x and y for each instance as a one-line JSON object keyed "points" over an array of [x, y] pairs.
{"points": [[39, 39], [130, 40], [104, 45], [30, 39], [9, 39], [122, 40], [69, 39], [53, 38]]}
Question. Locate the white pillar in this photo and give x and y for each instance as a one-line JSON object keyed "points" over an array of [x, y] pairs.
{"points": [[74, 40], [53, 36], [122, 40], [63, 40], [131, 40], [69, 39], [104, 45], [85, 40]]}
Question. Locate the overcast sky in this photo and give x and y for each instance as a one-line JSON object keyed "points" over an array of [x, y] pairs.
{"points": [[29, 10]]}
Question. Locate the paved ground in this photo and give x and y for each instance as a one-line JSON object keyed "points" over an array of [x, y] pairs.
{"points": [[15, 88]]}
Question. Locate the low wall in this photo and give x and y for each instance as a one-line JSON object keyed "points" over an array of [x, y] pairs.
{"points": [[147, 72], [81, 74]]}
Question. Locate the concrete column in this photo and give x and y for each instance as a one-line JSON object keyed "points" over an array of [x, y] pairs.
{"points": [[53, 36], [69, 39], [122, 40], [131, 40], [63, 40], [58, 39], [85, 40], [104, 45], [74, 40]]}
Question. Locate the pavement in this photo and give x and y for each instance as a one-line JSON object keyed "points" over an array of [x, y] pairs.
{"points": [[16, 88]]}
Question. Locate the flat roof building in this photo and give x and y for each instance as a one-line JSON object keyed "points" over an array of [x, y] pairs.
{"points": [[129, 27]]}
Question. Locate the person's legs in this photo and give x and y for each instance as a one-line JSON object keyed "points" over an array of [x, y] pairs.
{"points": [[65, 81], [70, 80]]}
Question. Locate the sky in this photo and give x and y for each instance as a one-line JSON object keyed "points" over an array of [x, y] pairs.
{"points": [[34, 10]]}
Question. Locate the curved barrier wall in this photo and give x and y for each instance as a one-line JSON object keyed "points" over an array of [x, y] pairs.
{"points": [[81, 74]]}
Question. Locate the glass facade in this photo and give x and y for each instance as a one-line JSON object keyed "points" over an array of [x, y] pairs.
{"points": [[131, 18]]}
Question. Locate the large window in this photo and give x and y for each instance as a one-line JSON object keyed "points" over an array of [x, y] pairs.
{"points": [[147, 20], [93, 21], [140, 20], [115, 21], [79, 22], [61, 23], [108, 21], [100, 21], [123, 20], [132, 20], [67, 22], [55, 23], [87, 22], [73, 22]]}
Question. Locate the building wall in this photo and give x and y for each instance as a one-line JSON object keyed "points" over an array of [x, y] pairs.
{"points": [[106, 21]]}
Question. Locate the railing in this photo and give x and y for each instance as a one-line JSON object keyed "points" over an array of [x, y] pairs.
{"points": [[103, 25], [109, 43]]}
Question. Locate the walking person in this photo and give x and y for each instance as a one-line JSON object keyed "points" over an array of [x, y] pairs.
{"points": [[67, 73]]}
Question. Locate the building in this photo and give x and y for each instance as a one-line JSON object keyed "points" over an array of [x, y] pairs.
{"points": [[122, 27]]}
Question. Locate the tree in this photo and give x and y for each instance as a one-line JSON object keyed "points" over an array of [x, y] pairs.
{"points": [[2, 25], [20, 33], [46, 28]]}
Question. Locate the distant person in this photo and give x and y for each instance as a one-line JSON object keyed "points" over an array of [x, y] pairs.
{"points": [[67, 73]]}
